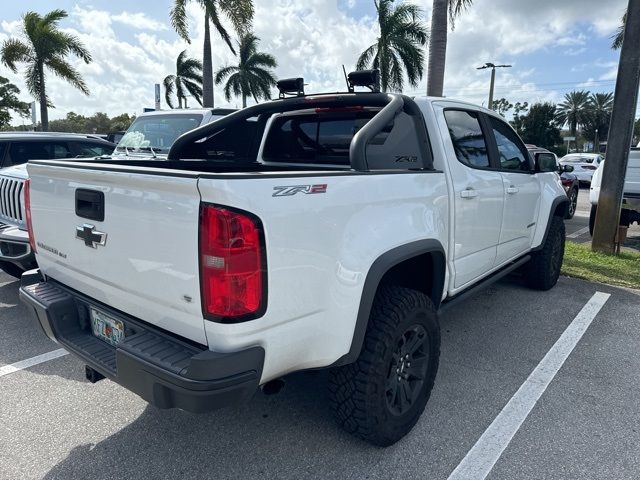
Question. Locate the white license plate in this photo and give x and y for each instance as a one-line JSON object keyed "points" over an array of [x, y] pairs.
{"points": [[106, 328]]}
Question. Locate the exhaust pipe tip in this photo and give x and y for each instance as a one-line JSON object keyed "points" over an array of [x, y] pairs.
{"points": [[273, 387], [92, 375]]}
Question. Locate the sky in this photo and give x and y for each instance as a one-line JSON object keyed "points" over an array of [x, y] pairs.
{"points": [[554, 47]]}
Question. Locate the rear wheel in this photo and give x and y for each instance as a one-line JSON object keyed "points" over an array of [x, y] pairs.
{"points": [[543, 270], [380, 397], [573, 203]]}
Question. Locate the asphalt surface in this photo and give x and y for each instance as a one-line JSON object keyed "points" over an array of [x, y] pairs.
{"points": [[579, 225], [56, 425]]}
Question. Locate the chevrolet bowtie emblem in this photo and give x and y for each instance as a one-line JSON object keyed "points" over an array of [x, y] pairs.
{"points": [[91, 238]]}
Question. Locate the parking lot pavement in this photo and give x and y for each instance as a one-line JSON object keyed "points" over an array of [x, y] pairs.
{"points": [[55, 425], [578, 226]]}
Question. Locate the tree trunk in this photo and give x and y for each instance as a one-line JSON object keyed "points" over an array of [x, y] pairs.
{"points": [[437, 48], [44, 113], [207, 66], [244, 101]]}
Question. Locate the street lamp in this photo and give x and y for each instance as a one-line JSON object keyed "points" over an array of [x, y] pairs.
{"points": [[596, 143], [493, 78]]}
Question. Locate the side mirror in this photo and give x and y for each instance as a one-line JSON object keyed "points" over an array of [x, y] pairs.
{"points": [[546, 162], [566, 168]]}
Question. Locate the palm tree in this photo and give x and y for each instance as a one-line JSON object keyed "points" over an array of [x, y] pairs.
{"points": [[574, 110], [43, 45], [238, 12], [617, 37], [443, 10], [252, 76], [398, 48], [188, 79], [599, 110]]}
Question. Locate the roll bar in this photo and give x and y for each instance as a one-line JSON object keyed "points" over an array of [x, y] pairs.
{"points": [[392, 105]]}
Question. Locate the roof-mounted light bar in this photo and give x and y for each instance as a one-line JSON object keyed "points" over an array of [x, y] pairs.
{"points": [[364, 78], [293, 87]]}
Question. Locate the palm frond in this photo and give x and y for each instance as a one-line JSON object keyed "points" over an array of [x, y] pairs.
{"points": [[64, 70], [364, 61], [195, 90], [456, 7], [53, 17], [225, 72], [618, 37], [179, 21], [212, 12], [169, 82], [15, 51]]}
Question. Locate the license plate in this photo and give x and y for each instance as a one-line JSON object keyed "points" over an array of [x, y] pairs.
{"points": [[106, 328]]}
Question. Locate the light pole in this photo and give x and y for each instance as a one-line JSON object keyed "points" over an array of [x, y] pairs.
{"points": [[596, 143], [493, 78]]}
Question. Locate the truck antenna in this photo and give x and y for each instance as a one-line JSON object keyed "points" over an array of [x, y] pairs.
{"points": [[346, 79]]}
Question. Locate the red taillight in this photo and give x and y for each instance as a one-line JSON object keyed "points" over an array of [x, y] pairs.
{"points": [[231, 264], [27, 213]]}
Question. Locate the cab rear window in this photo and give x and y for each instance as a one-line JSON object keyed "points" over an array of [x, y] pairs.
{"points": [[317, 138]]}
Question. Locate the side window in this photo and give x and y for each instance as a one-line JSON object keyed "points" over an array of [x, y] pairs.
{"points": [[468, 140], [22, 152], [511, 152], [60, 150], [90, 150]]}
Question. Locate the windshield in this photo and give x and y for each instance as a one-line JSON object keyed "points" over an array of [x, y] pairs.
{"points": [[158, 132]]}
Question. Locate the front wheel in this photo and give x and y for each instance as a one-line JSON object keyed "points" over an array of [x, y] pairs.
{"points": [[380, 397], [543, 270], [573, 203]]}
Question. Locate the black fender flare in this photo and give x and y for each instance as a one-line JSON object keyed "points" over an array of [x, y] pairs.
{"points": [[374, 276], [563, 203]]}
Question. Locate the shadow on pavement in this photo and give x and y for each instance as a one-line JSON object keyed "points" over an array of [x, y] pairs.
{"points": [[278, 433]]}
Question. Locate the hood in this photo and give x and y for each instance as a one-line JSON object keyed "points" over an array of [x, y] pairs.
{"points": [[15, 171]]}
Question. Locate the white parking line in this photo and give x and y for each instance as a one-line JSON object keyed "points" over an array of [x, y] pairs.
{"points": [[579, 233], [30, 362], [477, 464]]}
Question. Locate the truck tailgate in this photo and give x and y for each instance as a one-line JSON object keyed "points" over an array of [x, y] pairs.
{"points": [[148, 265]]}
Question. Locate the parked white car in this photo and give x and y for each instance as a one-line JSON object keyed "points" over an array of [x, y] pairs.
{"points": [[584, 164], [630, 212]]}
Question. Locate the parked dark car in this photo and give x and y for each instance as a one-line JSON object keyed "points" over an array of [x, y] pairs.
{"points": [[569, 181], [17, 148]]}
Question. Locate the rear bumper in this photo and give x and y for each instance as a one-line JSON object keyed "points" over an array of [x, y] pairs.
{"points": [[164, 370]]}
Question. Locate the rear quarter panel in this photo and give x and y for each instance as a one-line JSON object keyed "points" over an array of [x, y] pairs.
{"points": [[319, 250]]}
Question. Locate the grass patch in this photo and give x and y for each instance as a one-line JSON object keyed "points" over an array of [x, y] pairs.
{"points": [[581, 262]]}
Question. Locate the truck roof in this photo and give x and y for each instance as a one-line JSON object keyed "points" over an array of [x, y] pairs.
{"points": [[47, 136]]}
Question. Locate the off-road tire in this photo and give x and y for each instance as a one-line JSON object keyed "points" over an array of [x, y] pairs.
{"points": [[573, 203], [543, 270], [592, 218], [362, 393], [11, 269]]}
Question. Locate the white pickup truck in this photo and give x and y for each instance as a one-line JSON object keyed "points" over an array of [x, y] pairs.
{"points": [[630, 212], [323, 231]]}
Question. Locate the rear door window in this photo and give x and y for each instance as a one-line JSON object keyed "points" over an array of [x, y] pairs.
{"points": [[22, 152], [467, 137]]}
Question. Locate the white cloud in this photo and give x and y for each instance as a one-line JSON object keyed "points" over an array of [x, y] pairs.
{"points": [[139, 21]]}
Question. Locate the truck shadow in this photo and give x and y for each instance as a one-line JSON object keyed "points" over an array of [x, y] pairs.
{"points": [[271, 434]]}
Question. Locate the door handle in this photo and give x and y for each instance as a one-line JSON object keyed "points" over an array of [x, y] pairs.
{"points": [[469, 193], [512, 190]]}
